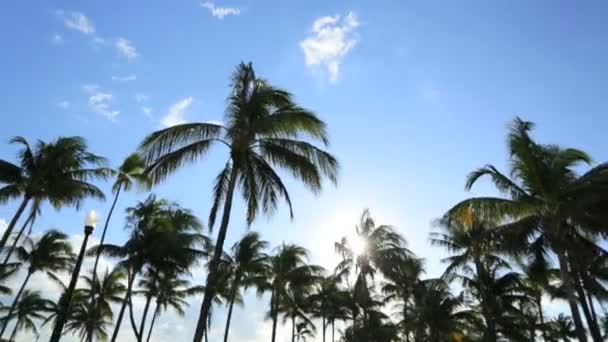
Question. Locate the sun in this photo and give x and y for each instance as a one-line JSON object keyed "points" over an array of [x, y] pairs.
{"points": [[357, 244]]}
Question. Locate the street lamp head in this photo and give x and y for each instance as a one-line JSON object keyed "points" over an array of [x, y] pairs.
{"points": [[91, 219]]}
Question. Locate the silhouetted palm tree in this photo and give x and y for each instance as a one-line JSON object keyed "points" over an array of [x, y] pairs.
{"points": [[247, 264], [58, 172], [31, 307], [163, 236], [130, 173], [51, 253], [265, 128], [287, 267], [545, 197]]}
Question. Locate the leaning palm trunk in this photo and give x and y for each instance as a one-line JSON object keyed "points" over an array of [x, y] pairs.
{"points": [[12, 309], [572, 302], [139, 333], [333, 330], [14, 333], [11, 225], [123, 307], [231, 307], [103, 237], [219, 248], [30, 220], [156, 313], [596, 335], [293, 328], [323, 322]]}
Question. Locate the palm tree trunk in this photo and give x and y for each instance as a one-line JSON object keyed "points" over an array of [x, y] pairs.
{"points": [[30, 218], [596, 335], [14, 333], [572, 302], [12, 309], [333, 330], [139, 333], [323, 322], [103, 237], [121, 313], [11, 225], [153, 320], [230, 307], [293, 328], [219, 248], [275, 315]]}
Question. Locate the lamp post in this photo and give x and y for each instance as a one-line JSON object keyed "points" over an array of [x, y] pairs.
{"points": [[62, 316]]}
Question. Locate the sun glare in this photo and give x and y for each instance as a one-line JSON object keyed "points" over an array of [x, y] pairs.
{"points": [[357, 244]]}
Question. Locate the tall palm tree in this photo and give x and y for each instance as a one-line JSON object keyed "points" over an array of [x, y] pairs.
{"points": [[544, 197], [264, 128], [130, 173], [51, 253], [383, 249], [163, 236], [288, 269], [59, 172], [31, 307], [247, 263]]}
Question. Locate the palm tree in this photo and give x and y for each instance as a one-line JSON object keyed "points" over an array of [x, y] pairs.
{"points": [[59, 172], [247, 263], [546, 198], [382, 249], [163, 236], [295, 306], [51, 253], [171, 292], [436, 313], [288, 269], [304, 331], [264, 128], [105, 291], [329, 302], [30, 308], [131, 172], [88, 320], [399, 289]]}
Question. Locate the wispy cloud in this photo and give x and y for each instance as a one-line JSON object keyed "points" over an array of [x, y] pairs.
{"points": [[57, 39], [99, 101], [76, 21], [142, 100], [63, 104], [126, 49], [333, 37], [220, 12], [176, 113], [127, 78]]}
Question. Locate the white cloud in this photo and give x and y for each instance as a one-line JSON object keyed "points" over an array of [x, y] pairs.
{"points": [[126, 49], [331, 40], [57, 39], [99, 101], [63, 104], [76, 21], [220, 12], [127, 78], [175, 115]]}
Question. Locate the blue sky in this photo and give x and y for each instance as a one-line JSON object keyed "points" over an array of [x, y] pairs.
{"points": [[415, 94]]}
